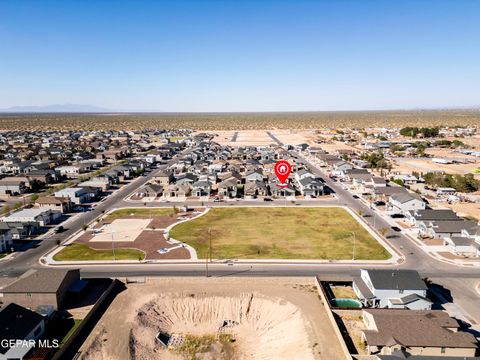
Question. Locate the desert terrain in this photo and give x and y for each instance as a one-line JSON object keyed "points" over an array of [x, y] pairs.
{"points": [[237, 121]]}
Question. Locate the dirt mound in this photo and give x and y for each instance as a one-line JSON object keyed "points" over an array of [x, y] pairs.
{"points": [[248, 326]]}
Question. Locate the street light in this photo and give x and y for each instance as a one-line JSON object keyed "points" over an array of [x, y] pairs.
{"points": [[353, 249]]}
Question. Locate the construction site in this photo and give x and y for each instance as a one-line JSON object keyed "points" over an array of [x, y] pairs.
{"points": [[201, 319]]}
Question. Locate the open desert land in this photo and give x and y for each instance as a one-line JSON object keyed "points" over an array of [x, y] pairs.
{"points": [[261, 137], [279, 233], [337, 145], [295, 137], [215, 318], [237, 121], [408, 165], [450, 154]]}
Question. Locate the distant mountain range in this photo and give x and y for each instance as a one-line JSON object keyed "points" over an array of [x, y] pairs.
{"points": [[81, 108]]}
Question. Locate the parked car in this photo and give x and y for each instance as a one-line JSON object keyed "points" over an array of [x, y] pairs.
{"points": [[396, 228], [59, 229]]}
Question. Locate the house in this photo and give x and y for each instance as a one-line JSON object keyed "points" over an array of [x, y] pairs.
{"points": [[102, 183], [303, 174], [391, 288], [254, 176], [403, 203], [19, 230], [41, 216], [447, 228], [12, 186], [228, 188], [17, 166], [71, 170], [403, 355], [19, 324], [417, 332], [311, 187], [255, 188], [186, 180], [39, 287], [59, 204], [446, 191], [5, 239], [163, 178], [281, 192], [201, 188], [341, 166], [45, 176], [176, 191], [414, 216], [77, 195], [149, 191], [385, 192], [462, 245]]}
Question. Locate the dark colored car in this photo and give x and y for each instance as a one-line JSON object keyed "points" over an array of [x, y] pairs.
{"points": [[396, 228]]}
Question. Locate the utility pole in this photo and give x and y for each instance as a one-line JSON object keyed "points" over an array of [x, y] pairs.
{"points": [[353, 249], [113, 247], [210, 243]]}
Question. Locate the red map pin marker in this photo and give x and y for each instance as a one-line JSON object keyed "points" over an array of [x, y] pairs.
{"points": [[282, 169]]}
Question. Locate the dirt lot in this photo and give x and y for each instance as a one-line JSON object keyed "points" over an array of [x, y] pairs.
{"points": [[284, 319], [407, 165]]}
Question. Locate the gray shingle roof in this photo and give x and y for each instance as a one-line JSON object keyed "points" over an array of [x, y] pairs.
{"points": [[396, 279], [416, 328], [38, 281]]}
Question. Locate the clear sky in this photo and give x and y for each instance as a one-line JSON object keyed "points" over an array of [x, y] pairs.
{"points": [[240, 55]]}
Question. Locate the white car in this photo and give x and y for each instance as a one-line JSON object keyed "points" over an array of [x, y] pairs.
{"points": [[163, 251]]}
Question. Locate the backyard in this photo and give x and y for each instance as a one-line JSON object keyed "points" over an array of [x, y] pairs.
{"points": [[279, 233]]}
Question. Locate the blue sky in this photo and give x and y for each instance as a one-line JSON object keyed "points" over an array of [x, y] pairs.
{"points": [[240, 55]]}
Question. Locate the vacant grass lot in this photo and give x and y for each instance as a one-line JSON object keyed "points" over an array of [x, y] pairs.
{"points": [[83, 252], [139, 213], [279, 233]]}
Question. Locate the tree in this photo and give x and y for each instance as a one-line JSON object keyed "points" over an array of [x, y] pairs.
{"points": [[34, 198], [383, 231]]}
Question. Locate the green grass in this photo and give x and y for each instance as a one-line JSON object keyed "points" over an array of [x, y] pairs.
{"points": [[139, 213], [476, 171], [84, 252], [70, 332], [2, 255], [279, 233]]}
